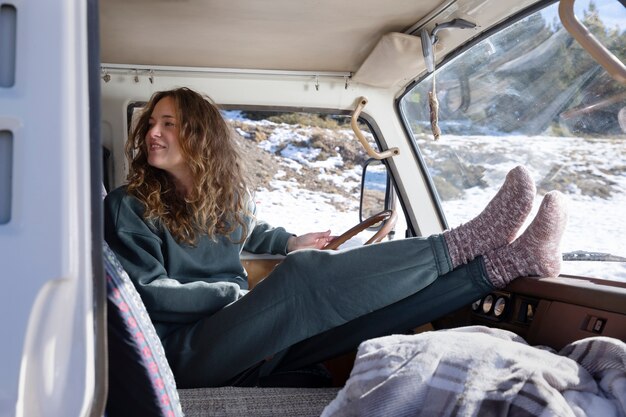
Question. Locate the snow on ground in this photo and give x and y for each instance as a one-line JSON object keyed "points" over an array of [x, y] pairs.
{"points": [[302, 211], [595, 224]]}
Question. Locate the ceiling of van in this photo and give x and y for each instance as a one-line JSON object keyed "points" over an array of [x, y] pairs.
{"points": [[325, 35], [320, 35]]}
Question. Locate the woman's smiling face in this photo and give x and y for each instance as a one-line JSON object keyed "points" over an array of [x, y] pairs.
{"points": [[162, 140]]}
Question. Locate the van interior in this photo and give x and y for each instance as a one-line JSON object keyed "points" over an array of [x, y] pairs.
{"points": [[329, 103]]}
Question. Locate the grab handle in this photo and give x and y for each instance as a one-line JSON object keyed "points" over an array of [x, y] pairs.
{"points": [[373, 153], [590, 43]]}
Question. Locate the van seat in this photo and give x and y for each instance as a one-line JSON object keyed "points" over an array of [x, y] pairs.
{"points": [[255, 402]]}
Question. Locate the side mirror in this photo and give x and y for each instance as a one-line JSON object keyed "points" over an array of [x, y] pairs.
{"points": [[376, 190]]}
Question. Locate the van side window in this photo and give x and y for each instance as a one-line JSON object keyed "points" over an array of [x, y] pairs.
{"points": [[305, 169]]}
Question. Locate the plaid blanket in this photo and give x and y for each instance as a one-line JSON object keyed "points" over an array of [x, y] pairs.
{"points": [[478, 371]]}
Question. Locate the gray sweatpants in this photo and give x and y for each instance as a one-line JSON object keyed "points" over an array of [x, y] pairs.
{"points": [[317, 304]]}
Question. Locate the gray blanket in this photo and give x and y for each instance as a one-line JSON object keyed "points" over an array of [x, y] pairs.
{"points": [[478, 372]]}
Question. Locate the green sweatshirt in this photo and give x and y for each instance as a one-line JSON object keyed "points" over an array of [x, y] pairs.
{"points": [[180, 283]]}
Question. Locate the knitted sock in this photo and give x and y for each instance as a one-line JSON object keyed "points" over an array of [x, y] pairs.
{"points": [[498, 223], [537, 251]]}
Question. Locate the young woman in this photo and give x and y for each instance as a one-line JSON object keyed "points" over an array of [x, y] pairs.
{"points": [[180, 223]]}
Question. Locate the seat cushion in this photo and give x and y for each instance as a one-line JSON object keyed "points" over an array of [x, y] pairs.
{"points": [[141, 382], [257, 402]]}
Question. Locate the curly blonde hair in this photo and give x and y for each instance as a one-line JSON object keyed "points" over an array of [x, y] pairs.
{"points": [[217, 202]]}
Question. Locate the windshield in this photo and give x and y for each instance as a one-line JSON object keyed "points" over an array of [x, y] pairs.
{"points": [[530, 95]]}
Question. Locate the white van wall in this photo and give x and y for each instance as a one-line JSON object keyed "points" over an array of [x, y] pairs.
{"points": [[46, 354]]}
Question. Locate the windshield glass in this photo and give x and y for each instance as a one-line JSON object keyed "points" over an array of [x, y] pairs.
{"points": [[530, 95]]}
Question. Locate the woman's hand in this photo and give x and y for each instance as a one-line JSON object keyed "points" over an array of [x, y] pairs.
{"points": [[316, 240]]}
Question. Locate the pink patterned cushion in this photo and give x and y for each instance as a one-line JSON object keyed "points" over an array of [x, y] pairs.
{"points": [[141, 382]]}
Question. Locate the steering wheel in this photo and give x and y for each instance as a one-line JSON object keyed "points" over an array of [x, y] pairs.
{"points": [[389, 216]]}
